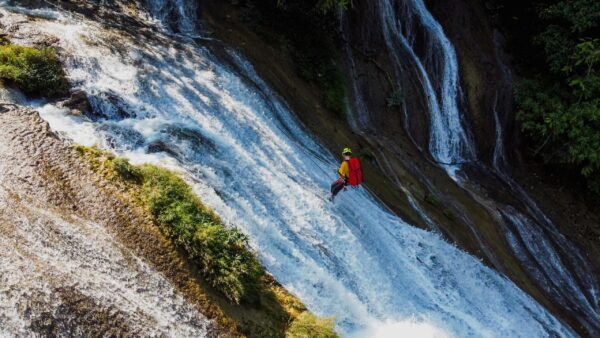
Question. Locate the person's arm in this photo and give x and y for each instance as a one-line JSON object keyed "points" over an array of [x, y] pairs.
{"points": [[344, 170]]}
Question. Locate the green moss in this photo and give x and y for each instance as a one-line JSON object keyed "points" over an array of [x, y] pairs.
{"points": [[308, 325], [222, 253], [448, 213], [35, 71], [396, 99], [433, 200]]}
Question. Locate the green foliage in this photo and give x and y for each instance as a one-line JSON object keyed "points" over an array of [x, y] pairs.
{"points": [[222, 253], [326, 6], [126, 170], [36, 71], [396, 99], [433, 200], [323, 6], [559, 106], [312, 42], [307, 325]]}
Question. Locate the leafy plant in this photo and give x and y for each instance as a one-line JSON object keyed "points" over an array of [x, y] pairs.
{"points": [[222, 253], [559, 106], [396, 99], [323, 6], [36, 71], [307, 325]]}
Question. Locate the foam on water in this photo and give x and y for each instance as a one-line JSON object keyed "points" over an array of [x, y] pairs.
{"points": [[252, 161]]}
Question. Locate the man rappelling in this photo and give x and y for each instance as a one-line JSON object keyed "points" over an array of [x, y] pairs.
{"points": [[350, 173]]}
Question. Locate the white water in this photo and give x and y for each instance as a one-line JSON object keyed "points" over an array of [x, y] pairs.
{"points": [[257, 167], [45, 257], [179, 15], [438, 69]]}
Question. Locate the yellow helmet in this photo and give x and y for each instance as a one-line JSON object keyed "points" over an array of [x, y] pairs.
{"points": [[346, 151]]}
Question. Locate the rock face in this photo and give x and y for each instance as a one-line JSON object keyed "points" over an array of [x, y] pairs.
{"points": [[69, 262], [78, 103]]}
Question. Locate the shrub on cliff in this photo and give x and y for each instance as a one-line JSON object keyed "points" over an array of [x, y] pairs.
{"points": [[307, 325], [308, 29], [222, 253], [559, 105], [36, 71]]}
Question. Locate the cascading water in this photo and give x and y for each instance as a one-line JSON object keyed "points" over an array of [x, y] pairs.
{"points": [[449, 143], [170, 101], [46, 258], [178, 15], [555, 263]]}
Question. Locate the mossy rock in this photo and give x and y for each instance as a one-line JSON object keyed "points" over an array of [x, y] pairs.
{"points": [[35, 71]]}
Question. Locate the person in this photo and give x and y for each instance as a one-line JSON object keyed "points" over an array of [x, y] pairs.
{"points": [[350, 173]]}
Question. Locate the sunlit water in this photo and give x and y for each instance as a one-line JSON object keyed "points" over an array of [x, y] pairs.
{"points": [[249, 158]]}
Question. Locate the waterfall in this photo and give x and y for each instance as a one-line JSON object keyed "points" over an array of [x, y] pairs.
{"points": [[437, 67], [166, 100], [552, 261], [178, 15]]}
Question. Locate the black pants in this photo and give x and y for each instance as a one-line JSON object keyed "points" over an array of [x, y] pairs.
{"points": [[336, 187]]}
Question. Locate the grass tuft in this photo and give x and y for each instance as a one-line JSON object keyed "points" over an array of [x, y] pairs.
{"points": [[308, 325], [221, 253], [35, 71]]}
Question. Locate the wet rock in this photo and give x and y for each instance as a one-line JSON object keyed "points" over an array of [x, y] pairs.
{"points": [[78, 103], [11, 95], [108, 105], [159, 147]]}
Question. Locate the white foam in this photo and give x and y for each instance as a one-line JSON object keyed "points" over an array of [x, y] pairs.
{"points": [[401, 329]]}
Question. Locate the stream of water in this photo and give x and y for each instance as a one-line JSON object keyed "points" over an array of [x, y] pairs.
{"points": [[555, 263]]}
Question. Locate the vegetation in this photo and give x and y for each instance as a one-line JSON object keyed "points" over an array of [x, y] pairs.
{"points": [[396, 99], [433, 200], [308, 30], [558, 101], [221, 253], [307, 325], [35, 71], [323, 6]]}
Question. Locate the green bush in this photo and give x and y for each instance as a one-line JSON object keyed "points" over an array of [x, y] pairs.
{"points": [[126, 170], [323, 6], [559, 104], [221, 253], [308, 30], [307, 325], [36, 71]]}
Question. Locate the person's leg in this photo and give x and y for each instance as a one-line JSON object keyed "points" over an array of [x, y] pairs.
{"points": [[336, 187]]}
